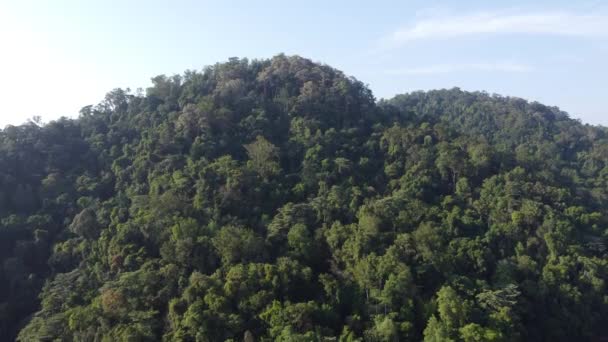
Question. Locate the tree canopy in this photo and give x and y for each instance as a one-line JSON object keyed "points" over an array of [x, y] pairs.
{"points": [[278, 200]]}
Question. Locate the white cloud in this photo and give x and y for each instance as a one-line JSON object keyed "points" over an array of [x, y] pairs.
{"points": [[448, 68], [441, 26]]}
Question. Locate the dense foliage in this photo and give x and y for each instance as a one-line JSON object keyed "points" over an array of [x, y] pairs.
{"points": [[278, 200]]}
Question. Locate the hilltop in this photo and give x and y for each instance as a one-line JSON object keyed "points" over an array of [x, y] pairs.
{"points": [[279, 200]]}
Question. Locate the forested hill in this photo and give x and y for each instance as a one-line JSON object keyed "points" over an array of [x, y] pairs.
{"points": [[277, 200]]}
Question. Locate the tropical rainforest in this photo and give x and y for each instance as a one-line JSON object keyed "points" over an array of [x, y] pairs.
{"points": [[279, 200]]}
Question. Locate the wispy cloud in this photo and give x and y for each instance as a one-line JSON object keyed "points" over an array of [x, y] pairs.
{"points": [[441, 26], [448, 68]]}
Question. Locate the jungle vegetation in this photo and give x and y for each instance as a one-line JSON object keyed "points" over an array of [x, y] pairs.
{"points": [[279, 200]]}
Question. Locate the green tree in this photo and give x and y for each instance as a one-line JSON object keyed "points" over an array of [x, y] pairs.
{"points": [[263, 157]]}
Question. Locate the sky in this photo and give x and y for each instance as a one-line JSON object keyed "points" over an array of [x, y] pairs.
{"points": [[58, 56]]}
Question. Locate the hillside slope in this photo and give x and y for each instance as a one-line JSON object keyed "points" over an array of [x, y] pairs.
{"points": [[278, 200]]}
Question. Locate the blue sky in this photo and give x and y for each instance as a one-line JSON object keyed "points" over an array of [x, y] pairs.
{"points": [[58, 56]]}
